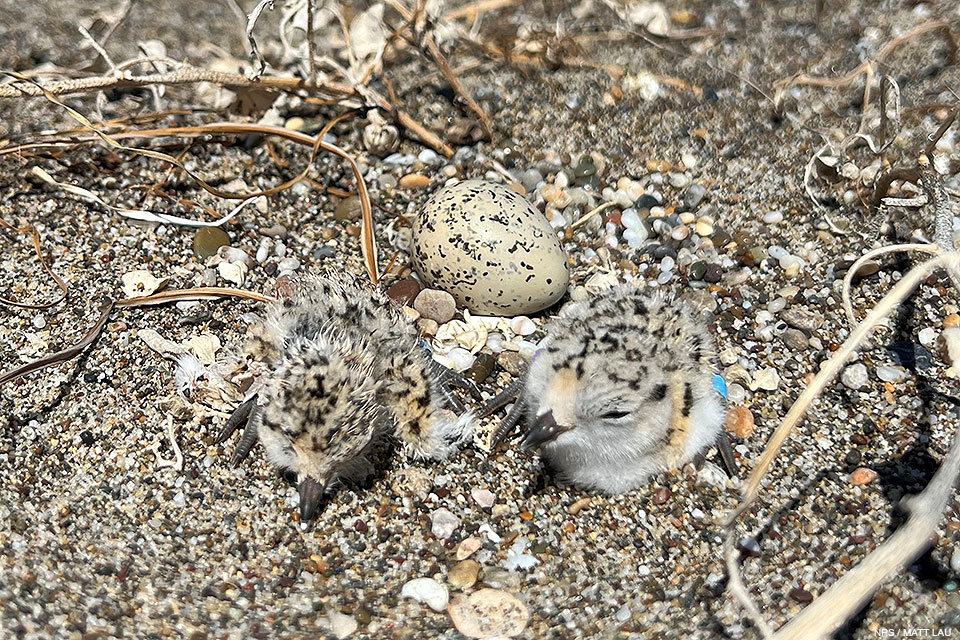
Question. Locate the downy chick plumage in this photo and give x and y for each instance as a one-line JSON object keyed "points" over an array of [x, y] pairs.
{"points": [[343, 365], [621, 388]]}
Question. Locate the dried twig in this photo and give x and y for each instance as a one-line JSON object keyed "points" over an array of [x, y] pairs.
{"points": [[940, 27], [251, 23], [39, 251], [751, 488], [205, 293]]}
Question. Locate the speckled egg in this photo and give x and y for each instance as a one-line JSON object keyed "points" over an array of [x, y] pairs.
{"points": [[489, 248]]}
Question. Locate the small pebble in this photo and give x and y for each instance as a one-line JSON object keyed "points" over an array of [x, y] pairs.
{"points": [[927, 336], [483, 497], [661, 495], [436, 305], [208, 240], [464, 574], [801, 595], [404, 292], [428, 591], [888, 373], [795, 339], [802, 319], [467, 548], [740, 422], [489, 613], [855, 376], [862, 476], [288, 264], [522, 325], [414, 181], [348, 209], [39, 321], [443, 523], [767, 379]]}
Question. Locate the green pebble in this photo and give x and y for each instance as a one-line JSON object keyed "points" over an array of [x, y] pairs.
{"points": [[207, 240], [348, 209], [950, 585], [697, 270], [481, 367]]}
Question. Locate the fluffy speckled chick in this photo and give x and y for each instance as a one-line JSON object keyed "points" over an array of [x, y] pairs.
{"points": [[342, 365], [621, 389]]}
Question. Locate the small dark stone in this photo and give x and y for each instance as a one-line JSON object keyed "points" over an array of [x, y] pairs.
{"points": [[89, 377], [270, 268], [697, 270], [87, 438], [713, 273], [404, 291], [859, 438], [748, 547], [661, 251], [801, 595], [646, 201], [481, 368], [853, 457], [360, 526], [720, 237]]}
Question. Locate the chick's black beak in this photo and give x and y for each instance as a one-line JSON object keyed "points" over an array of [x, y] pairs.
{"points": [[543, 430], [310, 493]]}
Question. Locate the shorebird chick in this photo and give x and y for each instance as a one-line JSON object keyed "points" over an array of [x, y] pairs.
{"points": [[622, 388], [342, 365]]}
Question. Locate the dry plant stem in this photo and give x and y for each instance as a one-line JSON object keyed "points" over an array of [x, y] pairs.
{"points": [[206, 293], [251, 23], [470, 11], [738, 589], [867, 257], [368, 245], [183, 75], [39, 251], [437, 56], [751, 488], [851, 592], [941, 27]]}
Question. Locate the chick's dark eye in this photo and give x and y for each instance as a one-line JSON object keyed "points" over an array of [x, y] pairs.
{"points": [[615, 415]]}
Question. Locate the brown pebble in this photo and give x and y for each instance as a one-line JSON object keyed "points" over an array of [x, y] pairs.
{"points": [[481, 368], [952, 320], [859, 438], [661, 495], [801, 595], [404, 291], [360, 526], [862, 476], [740, 422], [464, 574], [414, 181], [208, 240], [348, 209]]}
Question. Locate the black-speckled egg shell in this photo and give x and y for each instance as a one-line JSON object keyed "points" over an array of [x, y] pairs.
{"points": [[489, 248]]}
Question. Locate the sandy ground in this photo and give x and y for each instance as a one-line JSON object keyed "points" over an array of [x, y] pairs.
{"points": [[100, 538]]}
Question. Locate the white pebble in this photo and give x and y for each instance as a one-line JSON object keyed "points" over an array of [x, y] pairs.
{"points": [[735, 393], [667, 264], [263, 251], [634, 238], [427, 591], [773, 217], [443, 523], [288, 264], [927, 336], [630, 220], [484, 497], [891, 374], [495, 342], [854, 376], [767, 379], [39, 321]]}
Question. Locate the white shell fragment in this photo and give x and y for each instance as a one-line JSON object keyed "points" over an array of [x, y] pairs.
{"points": [[428, 591], [489, 248], [140, 283]]}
